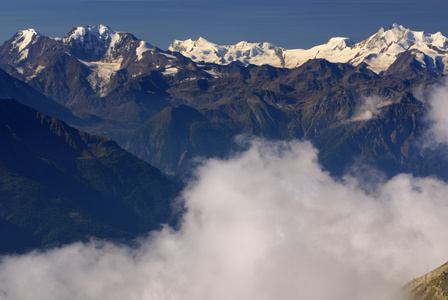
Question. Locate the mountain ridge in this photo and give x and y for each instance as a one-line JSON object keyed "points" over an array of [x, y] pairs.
{"points": [[379, 51], [124, 89], [86, 69]]}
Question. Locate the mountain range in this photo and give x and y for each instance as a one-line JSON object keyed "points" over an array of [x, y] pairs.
{"points": [[355, 101], [126, 89], [379, 51]]}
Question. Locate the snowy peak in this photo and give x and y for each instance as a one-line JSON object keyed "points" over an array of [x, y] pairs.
{"points": [[339, 43], [382, 49], [88, 35], [142, 48], [102, 43], [23, 38], [202, 50], [91, 43], [21, 42], [379, 51], [99, 51], [82, 32], [395, 34], [190, 45]]}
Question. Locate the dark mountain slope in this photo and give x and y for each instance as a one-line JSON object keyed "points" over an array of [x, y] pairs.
{"points": [[13, 88], [60, 185], [350, 113], [177, 134]]}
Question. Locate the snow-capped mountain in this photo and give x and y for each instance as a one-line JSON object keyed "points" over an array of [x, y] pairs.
{"points": [[378, 51], [201, 50], [95, 70], [99, 48], [102, 43], [89, 43], [119, 83], [93, 54]]}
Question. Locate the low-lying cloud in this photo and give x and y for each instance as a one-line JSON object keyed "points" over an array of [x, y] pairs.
{"points": [[266, 224], [437, 115], [370, 108]]}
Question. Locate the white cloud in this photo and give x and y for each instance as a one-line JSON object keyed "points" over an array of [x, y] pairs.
{"points": [[265, 224], [370, 108], [437, 114]]}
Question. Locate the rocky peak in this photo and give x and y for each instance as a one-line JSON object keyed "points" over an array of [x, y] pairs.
{"points": [[87, 34], [23, 38], [339, 43], [91, 43]]}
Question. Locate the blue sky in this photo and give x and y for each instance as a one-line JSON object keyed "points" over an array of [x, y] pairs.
{"points": [[286, 23]]}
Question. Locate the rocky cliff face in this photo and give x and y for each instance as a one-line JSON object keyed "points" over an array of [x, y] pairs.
{"points": [[432, 286]]}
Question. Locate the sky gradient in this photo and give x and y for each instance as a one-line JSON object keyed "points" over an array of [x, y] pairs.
{"points": [[289, 24]]}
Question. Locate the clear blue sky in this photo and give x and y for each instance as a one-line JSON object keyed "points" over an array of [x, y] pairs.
{"points": [[286, 23]]}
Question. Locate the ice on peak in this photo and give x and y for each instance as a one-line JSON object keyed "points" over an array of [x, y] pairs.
{"points": [[101, 31], [339, 43], [142, 48], [96, 40], [379, 51], [29, 31], [189, 45], [397, 27], [384, 38], [269, 46], [397, 33], [24, 38], [244, 52], [405, 38], [243, 44], [202, 40]]}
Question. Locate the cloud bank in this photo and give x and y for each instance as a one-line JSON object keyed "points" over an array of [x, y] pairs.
{"points": [[266, 224]]}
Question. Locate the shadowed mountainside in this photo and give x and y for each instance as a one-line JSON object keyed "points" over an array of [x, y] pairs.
{"points": [[59, 185]]}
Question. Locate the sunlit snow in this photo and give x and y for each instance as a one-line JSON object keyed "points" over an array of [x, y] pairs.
{"points": [[379, 51], [169, 56], [170, 71], [24, 38], [144, 46], [101, 73]]}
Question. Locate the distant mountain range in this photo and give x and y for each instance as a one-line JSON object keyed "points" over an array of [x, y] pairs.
{"points": [[168, 108], [60, 181], [378, 51]]}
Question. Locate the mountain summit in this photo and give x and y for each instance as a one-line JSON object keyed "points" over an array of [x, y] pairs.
{"points": [[379, 51], [86, 66], [92, 43]]}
